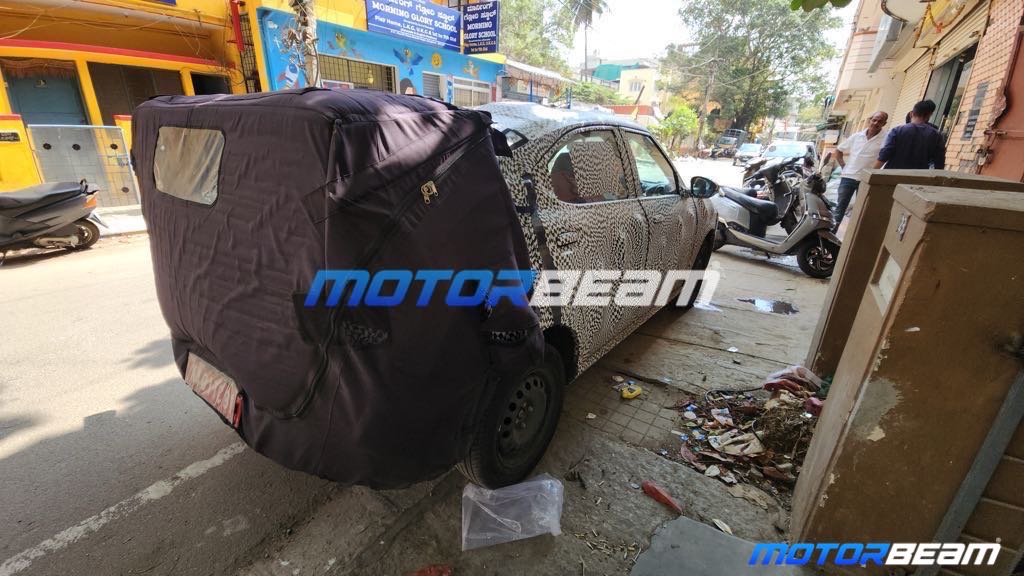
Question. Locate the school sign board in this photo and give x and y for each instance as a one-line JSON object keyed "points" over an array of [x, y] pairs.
{"points": [[418, 20], [480, 27]]}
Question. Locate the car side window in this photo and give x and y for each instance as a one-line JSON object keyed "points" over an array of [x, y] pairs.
{"points": [[588, 168], [656, 175]]}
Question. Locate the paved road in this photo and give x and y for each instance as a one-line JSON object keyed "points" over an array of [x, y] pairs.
{"points": [[108, 463]]}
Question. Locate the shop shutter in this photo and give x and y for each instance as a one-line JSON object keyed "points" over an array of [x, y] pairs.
{"points": [[432, 85], [913, 88], [967, 32]]}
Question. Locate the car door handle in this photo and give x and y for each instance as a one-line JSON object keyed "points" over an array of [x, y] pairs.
{"points": [[566, 238]]}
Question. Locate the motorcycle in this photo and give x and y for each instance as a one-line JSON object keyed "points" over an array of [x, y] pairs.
{"points": [[51, 215], [743, 219]]}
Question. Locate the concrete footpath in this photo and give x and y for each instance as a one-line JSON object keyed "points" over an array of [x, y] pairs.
{"points": [[607, 523]]}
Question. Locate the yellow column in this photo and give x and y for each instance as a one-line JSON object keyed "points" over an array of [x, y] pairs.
{"points": [[5, 104], [124, 122], [92, 106], [186, 83], [17, 164]]}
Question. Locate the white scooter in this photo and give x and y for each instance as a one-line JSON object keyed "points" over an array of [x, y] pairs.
{"points": [[743, 220]]}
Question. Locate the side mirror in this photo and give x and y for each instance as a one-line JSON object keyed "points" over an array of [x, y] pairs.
{"points": [[702, 187]]}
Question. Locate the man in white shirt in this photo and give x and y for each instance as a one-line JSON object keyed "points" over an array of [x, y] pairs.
{"points": [[856, 153]]}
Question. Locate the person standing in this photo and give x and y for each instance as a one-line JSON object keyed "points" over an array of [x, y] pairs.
{"points": [[855, 154], [915, 146]]}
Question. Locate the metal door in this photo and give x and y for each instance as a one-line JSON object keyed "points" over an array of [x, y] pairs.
{"points": [[95, 153]]}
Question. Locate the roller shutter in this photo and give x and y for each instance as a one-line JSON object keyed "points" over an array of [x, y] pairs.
{"points": [[914, 84], [962, 35]]}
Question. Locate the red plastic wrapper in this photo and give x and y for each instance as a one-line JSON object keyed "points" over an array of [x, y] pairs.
{"points": [[661, 495]]}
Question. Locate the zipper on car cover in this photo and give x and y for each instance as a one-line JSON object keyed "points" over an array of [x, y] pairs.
{"points": [[371, 252]]}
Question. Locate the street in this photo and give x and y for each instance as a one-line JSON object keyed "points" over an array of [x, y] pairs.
{"points": [[98, 432], [110, 465]]}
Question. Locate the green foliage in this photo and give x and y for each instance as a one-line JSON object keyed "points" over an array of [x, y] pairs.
{"points": [[535, 32], [766, 57], [679, 125], [592, 93], [809, 5]]}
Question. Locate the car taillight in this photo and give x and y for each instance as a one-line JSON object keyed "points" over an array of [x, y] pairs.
{"points": [[91, 201]]}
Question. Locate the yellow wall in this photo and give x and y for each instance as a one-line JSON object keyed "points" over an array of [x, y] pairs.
{"points": [[647, 76], [82, 58], [17, 166]]}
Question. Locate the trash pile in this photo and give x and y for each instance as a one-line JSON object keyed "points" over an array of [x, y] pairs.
{"points": [[743, 439]]}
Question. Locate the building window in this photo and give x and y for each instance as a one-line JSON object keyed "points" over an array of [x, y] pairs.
{"points": [[248, 57], [636, 86], [946, 88], [360, 74], [432, 85], [119, 89], [470, 93], [210, 84]]}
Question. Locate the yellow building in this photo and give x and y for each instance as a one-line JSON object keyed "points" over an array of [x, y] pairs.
{"points": [[71, 73], [82, 65]]}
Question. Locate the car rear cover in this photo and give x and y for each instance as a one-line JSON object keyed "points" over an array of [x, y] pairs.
{"points": [[317, 179]]}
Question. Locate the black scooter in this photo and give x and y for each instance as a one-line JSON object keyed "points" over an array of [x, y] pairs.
{"points": [[51, 215]]}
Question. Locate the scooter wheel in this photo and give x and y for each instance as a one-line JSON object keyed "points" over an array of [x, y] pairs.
{"points": [[88, 234], [817, 258]]}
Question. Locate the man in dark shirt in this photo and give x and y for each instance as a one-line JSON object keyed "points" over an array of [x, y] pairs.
{"points": [[914, 146]]}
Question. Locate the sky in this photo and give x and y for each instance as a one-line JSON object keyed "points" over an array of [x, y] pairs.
{"points": [[624, 31]]}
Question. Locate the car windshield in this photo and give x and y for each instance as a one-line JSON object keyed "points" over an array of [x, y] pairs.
{"points": [[785, 150], [726, 140], [750, 148]]}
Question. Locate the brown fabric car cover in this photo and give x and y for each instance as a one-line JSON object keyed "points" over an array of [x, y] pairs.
{"points": [[317, 179]]}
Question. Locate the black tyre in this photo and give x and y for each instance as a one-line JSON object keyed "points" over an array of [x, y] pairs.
{"points": [[88, 234], [701, 263], [719, 240], [517, 426], [817, 257]]}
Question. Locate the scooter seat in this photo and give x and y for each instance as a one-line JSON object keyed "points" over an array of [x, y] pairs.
{"points": [[41, 195], [763, 209]]}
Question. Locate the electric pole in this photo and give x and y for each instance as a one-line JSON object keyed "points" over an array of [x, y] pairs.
{"points": [[305, 25]]}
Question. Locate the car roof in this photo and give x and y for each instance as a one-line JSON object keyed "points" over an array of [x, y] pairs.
{"points": [[534, 120]]}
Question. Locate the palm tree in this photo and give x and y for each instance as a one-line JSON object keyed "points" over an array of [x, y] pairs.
{"points": [[583, 12]]}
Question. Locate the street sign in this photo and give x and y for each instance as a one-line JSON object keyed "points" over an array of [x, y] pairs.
{"points": [[480, 27], [418, 20]]}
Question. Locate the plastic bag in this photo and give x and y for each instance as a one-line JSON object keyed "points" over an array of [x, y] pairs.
{"points": [[799, 375], [523, 510]]}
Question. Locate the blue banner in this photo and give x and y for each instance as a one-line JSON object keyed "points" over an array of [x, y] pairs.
{"points": [[419, 20], [480, 27]]}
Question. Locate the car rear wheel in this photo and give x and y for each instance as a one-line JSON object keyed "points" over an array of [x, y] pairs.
{"points": [[518, 425]]}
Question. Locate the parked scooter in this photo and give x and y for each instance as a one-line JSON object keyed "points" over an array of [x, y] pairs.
{"points": [[743, 220], [51, 215]]}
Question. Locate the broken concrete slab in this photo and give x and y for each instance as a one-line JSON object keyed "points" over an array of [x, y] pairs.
{"points": [[684, 546], [751, 332], [691, 367]]}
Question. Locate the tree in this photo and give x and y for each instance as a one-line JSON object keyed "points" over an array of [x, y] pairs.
{"points": [[583, 12], [757, 58], [809, 5], [593, 93], [680, 125], [535, 32]]}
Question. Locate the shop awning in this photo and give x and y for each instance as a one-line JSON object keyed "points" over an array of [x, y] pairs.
{"points": [[521, 71]]}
